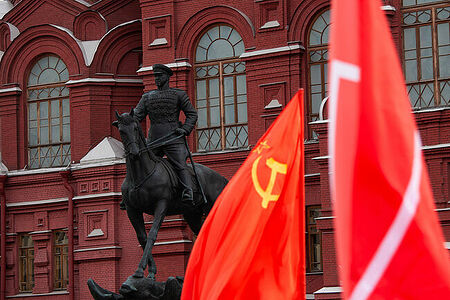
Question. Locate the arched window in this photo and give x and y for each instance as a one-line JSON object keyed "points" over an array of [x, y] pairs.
{"points": [[48, 114], [426, 54], [317, 65], [221, 90]]}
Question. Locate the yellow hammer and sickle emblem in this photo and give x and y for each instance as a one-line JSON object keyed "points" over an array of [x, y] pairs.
{"points": [[276, 168]]}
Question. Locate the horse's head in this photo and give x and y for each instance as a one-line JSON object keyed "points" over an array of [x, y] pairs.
{"points": [[129, 130]]}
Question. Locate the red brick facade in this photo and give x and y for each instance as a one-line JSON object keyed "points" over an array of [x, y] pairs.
{"points": [[108, 47]]}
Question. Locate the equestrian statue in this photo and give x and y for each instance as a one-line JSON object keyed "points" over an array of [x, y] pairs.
{"points": [[161, 186]]}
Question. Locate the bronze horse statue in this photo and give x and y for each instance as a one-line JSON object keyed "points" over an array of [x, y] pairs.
{"points": [[151, 187]]}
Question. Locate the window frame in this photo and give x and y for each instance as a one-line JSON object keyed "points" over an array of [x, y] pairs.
{"points": [[26, 253], [64, 151], [60, 282], [222, 126], [436, 79], [310, 230], [323, 64]]}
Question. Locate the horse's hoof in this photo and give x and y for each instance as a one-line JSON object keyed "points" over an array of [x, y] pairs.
{"points": [[100, 293], [138, 274], [151, 276]]}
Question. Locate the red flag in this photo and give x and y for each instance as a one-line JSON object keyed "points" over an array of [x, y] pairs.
{"points": [[389, 242], [252, 243]]}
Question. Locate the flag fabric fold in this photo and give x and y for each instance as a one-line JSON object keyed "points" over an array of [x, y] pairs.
{"points": [[389, 242], [251, 245]]}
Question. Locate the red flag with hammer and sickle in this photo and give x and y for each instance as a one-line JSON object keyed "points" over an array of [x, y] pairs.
{"points": [[252, 243], [389, 242]]}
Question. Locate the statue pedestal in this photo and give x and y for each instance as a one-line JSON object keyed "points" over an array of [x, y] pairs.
{"points": [[143, 288]]}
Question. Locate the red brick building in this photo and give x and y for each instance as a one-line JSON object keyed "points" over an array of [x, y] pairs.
{"points": [[67, 65]]}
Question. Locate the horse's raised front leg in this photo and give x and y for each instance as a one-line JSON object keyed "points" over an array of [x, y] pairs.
{"points": [[160, 213]]}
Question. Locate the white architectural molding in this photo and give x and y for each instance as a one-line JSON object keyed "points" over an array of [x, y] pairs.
{"points": [[91, 80], [437, 146], [13, 31], [322, 108], [35, 171], [3, 168], [108, 149], [312, 175], [173, 242], [329, 290], [85, 3], [5, 7], [273, 104], [159, 42], [97, 164], [97, 249], [319, 122], [325, 218], [270, 51], [270, 24], [93, 196], [96, 232], [105, 80], [12, 89], [321, 157], [90, 48], [388, 8], [40, 231], [88, 56], [22, 295], [425, 110], [37, 202], [174, 65], [442, 209]]}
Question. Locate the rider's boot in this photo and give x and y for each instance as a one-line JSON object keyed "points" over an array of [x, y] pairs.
{"points": [[187, 195]]}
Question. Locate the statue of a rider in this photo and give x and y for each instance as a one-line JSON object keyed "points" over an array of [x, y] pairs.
{"points": [[163, 107]]}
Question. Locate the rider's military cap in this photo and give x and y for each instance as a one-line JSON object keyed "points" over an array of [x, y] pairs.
{"points": [[159, 68]]}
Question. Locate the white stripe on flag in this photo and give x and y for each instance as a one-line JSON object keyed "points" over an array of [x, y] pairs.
{"points": [[394, 236], [339, 70]]}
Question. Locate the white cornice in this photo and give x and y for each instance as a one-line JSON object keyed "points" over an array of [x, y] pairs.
{"points": [[105, 80], [174, 65], [23, 295], [98, 248], [388, 8], [13, 89], [270, 51], [438, 146], [433, 109], [93, 196], [38, 202], [172, 242]]}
